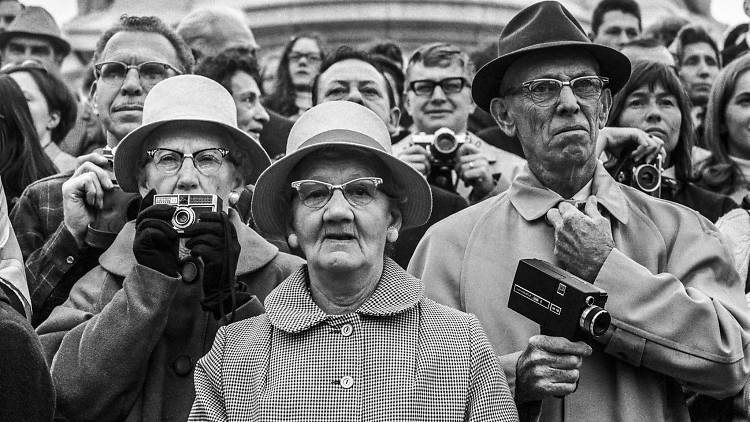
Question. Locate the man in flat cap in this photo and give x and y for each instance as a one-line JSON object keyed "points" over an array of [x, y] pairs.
{"points": [[34, 34], [678, 314]]}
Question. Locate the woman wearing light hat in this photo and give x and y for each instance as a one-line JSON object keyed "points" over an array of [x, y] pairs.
{"points": [[124, 344], [349, 336]]}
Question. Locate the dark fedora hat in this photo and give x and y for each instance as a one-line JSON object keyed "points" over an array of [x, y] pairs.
{"points": [[36, 22], [541, 26]]}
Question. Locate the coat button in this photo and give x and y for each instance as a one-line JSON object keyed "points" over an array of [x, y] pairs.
{"points": [[347, 382], [182, 365], [189, 272], [346, 330], [70, 260]]}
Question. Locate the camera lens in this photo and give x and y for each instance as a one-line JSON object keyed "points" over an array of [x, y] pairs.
{"points": [[647, 177], [183, 217], [446, 144], [594, 320]]}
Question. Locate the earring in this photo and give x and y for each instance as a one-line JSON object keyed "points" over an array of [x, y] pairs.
{"points": [[392, 234], [293, 241]]}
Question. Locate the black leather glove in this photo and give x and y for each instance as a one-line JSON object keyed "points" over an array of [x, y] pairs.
{"points": [[214, 239], [156, 244]]}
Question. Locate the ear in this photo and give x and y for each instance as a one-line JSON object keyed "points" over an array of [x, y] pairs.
{"points": [[395, 218], [606, 105], [143, 188], [54, 120], [500, 111], [92, 98], [407, 103], [293, 241], [394, 117]]}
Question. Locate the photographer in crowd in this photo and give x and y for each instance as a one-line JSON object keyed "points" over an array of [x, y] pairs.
{"points": [[438, 97], [678, 314], [124, 344], [52, 216]]}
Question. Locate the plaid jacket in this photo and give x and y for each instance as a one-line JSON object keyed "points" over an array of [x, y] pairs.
{"points": [[53, 259], [399, 357]]}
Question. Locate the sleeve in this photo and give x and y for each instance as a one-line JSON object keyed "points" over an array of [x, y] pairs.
{"points": [[437, 261], [12, 274], [47, 258], [689, 322], [209, 391], [489, 396], [105, 348]]}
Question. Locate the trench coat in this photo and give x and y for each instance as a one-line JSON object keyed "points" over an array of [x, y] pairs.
{"points": [[678, 309], [124, 345]]}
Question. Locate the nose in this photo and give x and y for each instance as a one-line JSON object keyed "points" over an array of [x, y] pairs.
{"points": [[568, 103], [338, 209], [261, 115], [354, 96], [438, 95], [703, 70], [653, 113], [131, 85], [187, 177]]}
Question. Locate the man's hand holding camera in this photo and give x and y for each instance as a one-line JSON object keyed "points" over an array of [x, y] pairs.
{"points": [[473, 167], [582, 240], [418, 157], [83, 194]]}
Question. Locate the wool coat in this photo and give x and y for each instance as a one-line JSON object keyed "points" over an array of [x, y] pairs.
{"points": [[124, 345], [678, 309]]}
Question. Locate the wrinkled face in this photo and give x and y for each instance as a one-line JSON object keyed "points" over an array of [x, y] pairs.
{"points": [[44, 120], [656, 112], [304, 62], [189, 138], [617, 28], [698, 70], [359, 82], [563, 134], [341, 237], [120, 106], [440, 109], [251, 115], [737, 118], [22, 48]]}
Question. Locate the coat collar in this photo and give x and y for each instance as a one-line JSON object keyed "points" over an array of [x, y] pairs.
{"points": [[255, 251], [290, 306], [532, 199]]}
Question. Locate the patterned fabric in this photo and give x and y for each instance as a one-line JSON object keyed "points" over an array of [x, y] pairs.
{"points": [[53, 259], [399, 357]]}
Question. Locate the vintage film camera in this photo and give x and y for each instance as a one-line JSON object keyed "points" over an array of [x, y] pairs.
{"points": [[188, 207], [443, 145], [562, 304], [646, 177]]}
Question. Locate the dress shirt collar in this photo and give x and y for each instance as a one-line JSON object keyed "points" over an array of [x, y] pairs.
{"points": [[532, 199], [290, 306]]}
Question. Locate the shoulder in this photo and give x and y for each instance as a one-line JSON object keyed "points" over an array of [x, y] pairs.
{"points": [[286, 263], [448, 321], [457, 227], [49, 181], [247, 335]]}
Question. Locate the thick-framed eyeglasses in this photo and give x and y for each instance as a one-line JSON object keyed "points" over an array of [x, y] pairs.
{"points": [[207, 161], [150, 73], [24, 65], [425, 87], [310, 57], [316, 194], [546, 91]]}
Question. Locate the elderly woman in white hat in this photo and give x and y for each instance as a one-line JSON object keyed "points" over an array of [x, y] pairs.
{"points": [[124, 344], [349, 336]]}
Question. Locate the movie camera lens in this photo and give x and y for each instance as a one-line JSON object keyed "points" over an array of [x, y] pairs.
{"points": [[594, 319]]}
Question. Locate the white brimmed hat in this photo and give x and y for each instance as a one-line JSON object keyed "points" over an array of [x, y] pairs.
{"points": [[344, 124], [186, 98]]}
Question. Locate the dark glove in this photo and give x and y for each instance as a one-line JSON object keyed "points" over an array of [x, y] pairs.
{"points": [[214, 239], [156, 244]]}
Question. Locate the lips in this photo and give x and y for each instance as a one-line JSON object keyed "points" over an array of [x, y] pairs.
{"points": [[339, 236], [128, 107], [569, 129]]}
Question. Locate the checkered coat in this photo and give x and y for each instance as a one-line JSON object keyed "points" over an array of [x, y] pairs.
{"points": [[399, 357]]}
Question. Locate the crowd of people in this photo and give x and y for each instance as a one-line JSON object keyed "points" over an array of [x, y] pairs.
{"points": [[201, 231]]}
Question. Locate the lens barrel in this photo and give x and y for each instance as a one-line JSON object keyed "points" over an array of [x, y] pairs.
{"points": [[183, 217], [594, 320]]}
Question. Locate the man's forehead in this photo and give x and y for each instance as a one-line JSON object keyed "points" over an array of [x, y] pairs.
{"points": [[418, 71], [566, 64], [141, 46], [30, 41], [352, 70], [698, 49], [618, 18]]}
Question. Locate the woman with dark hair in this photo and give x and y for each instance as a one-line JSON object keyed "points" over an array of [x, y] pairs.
{"points": [[53, 108], [22, 160], [654, 101], [299, 65]]}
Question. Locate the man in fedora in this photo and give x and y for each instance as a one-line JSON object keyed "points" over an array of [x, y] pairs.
{"points": [[678, 312], [34, 34], [123, 346]]}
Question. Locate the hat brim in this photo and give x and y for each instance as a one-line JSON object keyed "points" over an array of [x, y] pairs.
{"points": [[128, 152], [59, 44], [268, 207], [612, 64]]}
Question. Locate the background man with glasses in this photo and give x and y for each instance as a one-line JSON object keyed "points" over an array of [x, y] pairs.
{"points": [[52, 216], [679, 317], [438, 95]]}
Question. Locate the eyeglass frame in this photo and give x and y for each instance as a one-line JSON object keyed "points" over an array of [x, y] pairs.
{"points": [[464, 84], [150, 153], [332, 188], [137, 67], [525, 87]]}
